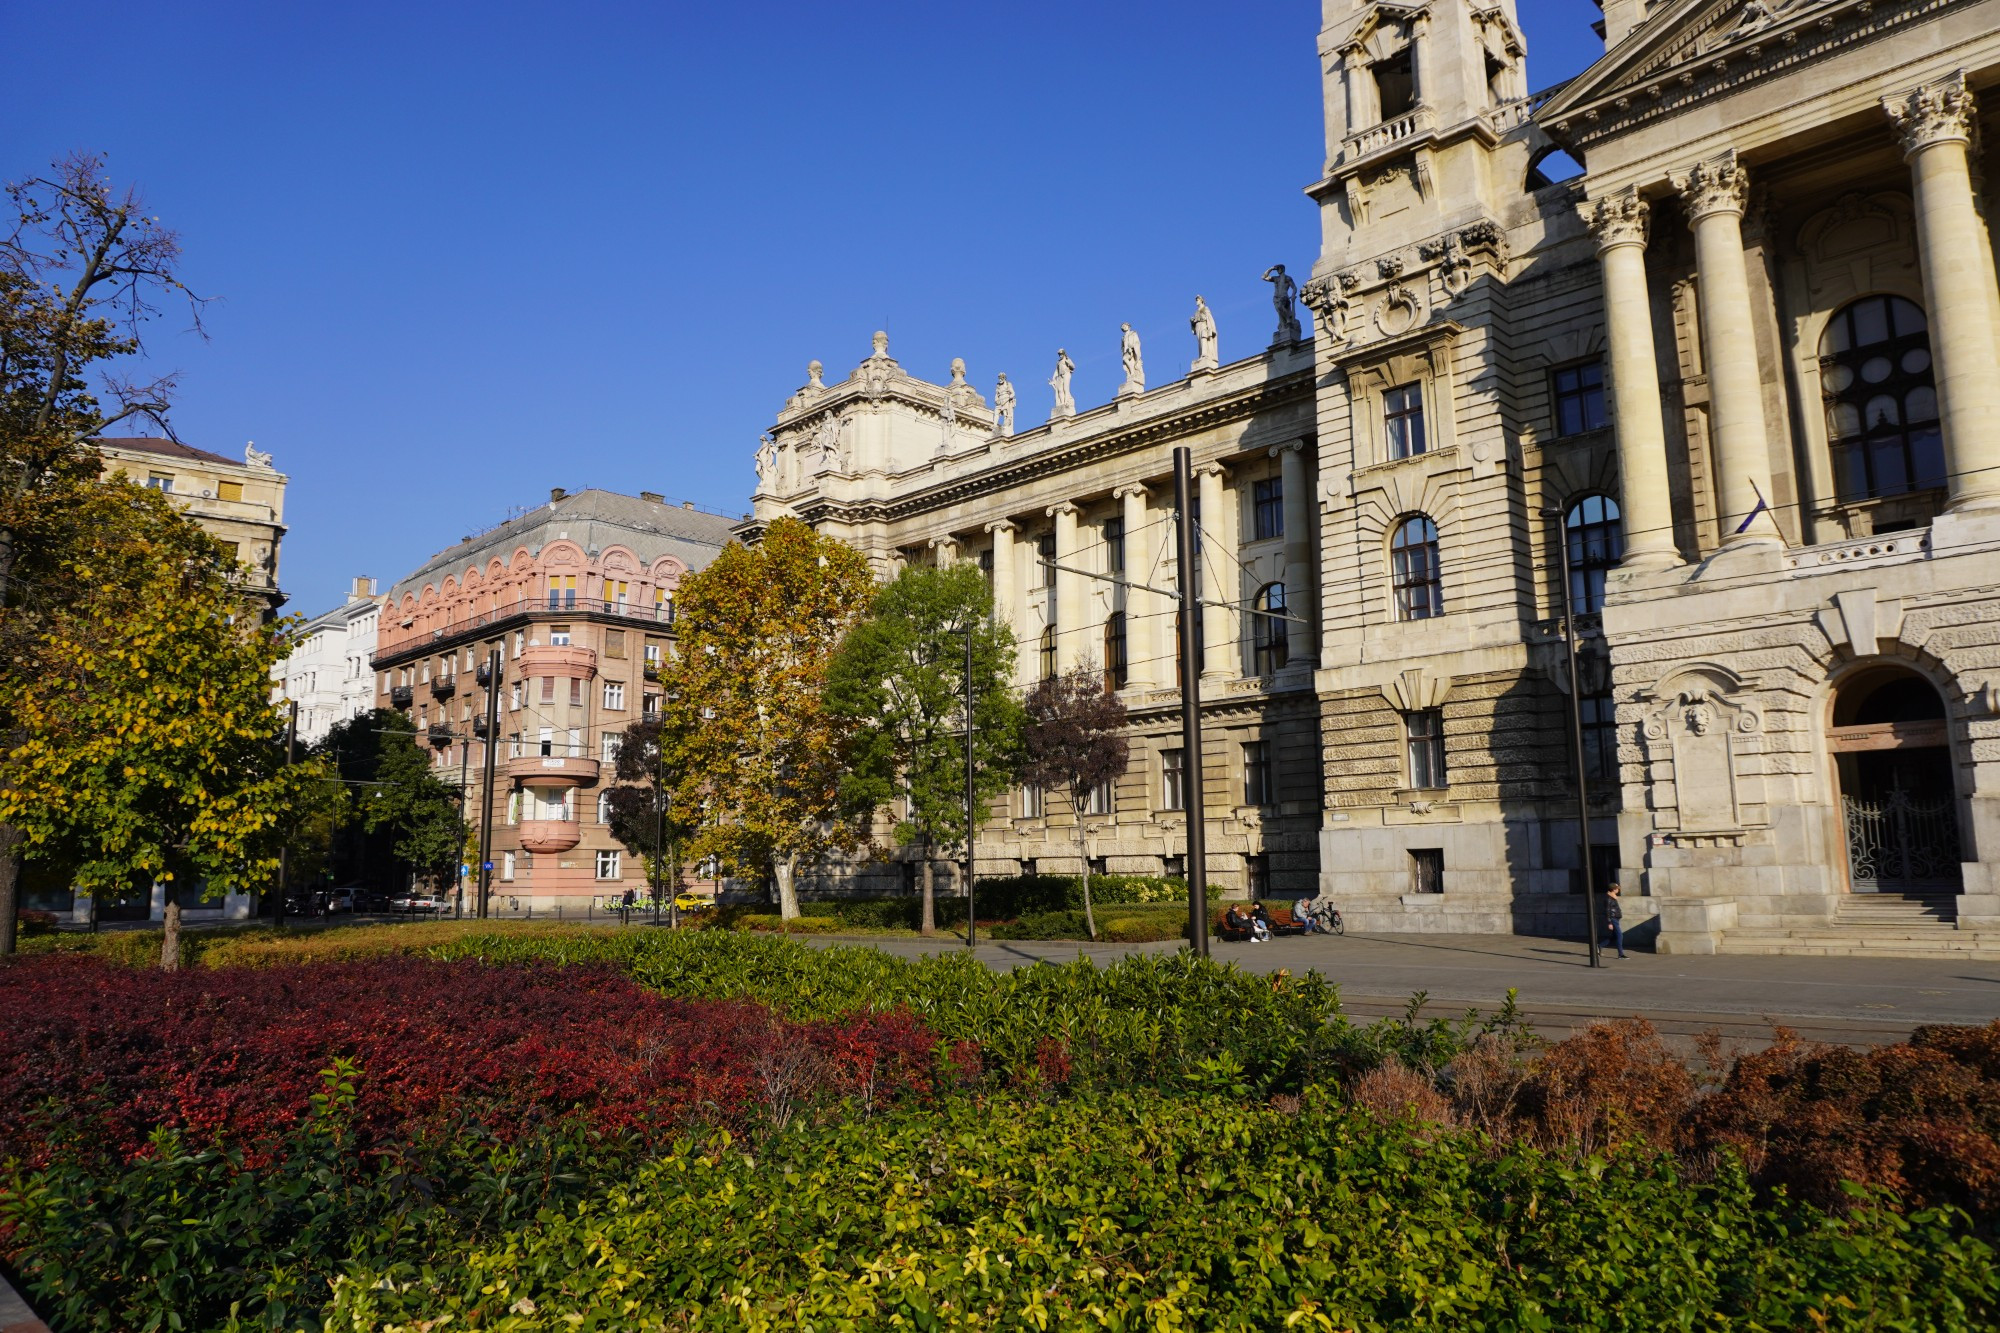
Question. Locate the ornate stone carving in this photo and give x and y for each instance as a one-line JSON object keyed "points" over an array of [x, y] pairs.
{"points": [[1619, 219], [879, 369], [1400, 310], [255, 457], [1717, 185], [826, 440], [1326, 297], [1453, 264], [1390, 266], [1285, 296], [1936, 113], [1701, 727]]}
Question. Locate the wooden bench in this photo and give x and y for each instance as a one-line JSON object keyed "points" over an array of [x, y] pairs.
{"points": [[1283, 922]]}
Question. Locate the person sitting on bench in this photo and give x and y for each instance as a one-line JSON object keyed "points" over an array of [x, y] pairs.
{"points": [[1260, 924], [1235, 924]]}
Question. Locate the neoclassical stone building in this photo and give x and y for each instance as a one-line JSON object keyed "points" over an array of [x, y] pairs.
{"points": [[1744, 367]]}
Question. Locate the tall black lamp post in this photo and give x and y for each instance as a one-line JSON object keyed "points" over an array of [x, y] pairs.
{"points": [[1576, 746]]}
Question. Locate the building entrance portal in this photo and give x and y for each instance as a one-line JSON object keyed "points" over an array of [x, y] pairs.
{"points": [[1898, 804]]}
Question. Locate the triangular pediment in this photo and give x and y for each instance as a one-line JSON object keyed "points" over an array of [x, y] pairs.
{"points": [[1686, 42]]}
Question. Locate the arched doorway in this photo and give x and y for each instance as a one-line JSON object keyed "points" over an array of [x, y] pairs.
{"points": [[1898, 804]]}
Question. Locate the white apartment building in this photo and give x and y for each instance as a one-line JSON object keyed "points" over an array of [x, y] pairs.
{"points": [[327, 673]]}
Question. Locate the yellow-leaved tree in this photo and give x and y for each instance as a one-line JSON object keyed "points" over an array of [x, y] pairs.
{"points": [[145, 745], [757, 757]]}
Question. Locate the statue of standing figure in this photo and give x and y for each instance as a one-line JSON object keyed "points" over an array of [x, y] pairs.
{"points": [[1003, 407], [1203, 324], [767, 454], [1065, 403], [1285, 296], [1135, 367]]}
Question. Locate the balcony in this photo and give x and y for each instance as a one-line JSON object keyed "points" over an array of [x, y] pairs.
{"points": [[549, 835], [483, 673], [443, 687], [552, 770], [408, 637], [543, 659], [440, 734], [652, 670], [479, 727], [401, 696]]}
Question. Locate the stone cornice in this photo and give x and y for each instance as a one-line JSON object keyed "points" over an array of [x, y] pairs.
{"points": [[1685, 61]]}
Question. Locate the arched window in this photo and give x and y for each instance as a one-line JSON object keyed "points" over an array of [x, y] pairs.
{"points": [[1049, 653], [1268, 641], [1117, 671], [1881, 399], [1413, 567], [1595, 532]]}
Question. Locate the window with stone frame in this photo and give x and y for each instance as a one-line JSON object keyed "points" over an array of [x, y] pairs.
{"points": [[1099, 800], [1403, 421], [1413, 568], [1048, 653], [1595, 531], [1578, 392], [559, 636], [1114, 545], [1267, 508], [1031, 802], [1881, 401], [608, 864], [1173, 779], [1423, 741], [1045, 550], [1259, 782], [1117, 670], [1427, 870], [1599, 716], [614, 696], [1270, 640]]}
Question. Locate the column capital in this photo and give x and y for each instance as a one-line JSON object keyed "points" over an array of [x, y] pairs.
{"points": [[1131, 488], [1931, 114], [1063, 508], [1288, 447], [1618, 219], [1001, 525], [1212, 469], [1716, 185]]}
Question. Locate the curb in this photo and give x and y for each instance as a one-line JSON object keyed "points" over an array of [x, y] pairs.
{"points": [[15, 1316]]}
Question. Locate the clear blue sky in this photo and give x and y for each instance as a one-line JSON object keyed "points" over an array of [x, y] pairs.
{"points": [[464, 252]]}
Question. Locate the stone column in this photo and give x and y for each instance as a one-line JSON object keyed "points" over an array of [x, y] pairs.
{"points": [[1218, 624], [1420, 59], [1301, 574], [1740, 451], [1007, 592], [1352, 73], [1619, 222], [1935, 123], [1142, 609], [1071, 639], [944, 551]]}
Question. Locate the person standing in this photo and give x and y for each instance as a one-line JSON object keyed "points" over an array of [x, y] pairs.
{"points": [[1614, 919]]}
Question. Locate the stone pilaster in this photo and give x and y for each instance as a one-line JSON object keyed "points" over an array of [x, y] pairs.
{"points": [[1301, 572], [1218, 621], [1935, 125], [1008, 604], [1071, 639], [1715, 192], [1619, 223], [1143, 609]]}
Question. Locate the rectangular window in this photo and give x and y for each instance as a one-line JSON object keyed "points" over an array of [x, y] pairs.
{"points": [[1257, 871], [576, 691], [1031, 802], [229, 490], [507, 865], [652, 705], [559, 636], [547, 741], [614, 695], [1173, 787], [615, 593], [575, 747], [160, 481], [986, 564], [514, 807], [663, 606], [520, 640], [1117, 666], [1600, 737], [548, 689], [1099, 800], [514, 697], [562, 592], [1427, 870], [1258, 789], [514, 746], [1173, 867], [1579, 395], [614, 643], [1267, 504], [1403, 420], [1425, 733], [1045, 548], [1114, 545], [609, 749]]}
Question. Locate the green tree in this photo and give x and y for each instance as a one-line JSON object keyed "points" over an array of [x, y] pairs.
{"points": [[640, 804], [146, 743], [1073, 742], [398, 795], [900, 676], [81, 267], [758, 758]]}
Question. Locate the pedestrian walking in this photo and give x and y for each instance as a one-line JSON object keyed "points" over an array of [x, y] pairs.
{"points": [[1614, 920]]}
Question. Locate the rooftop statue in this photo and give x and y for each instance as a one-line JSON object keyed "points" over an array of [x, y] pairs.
{"points": [[1065, 403], [1203, 324]]}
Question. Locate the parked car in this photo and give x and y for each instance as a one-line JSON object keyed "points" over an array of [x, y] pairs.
{"points": [[689, 902], [418, 904], [338, 900]]}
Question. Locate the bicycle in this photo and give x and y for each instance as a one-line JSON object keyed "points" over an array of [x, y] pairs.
{"points": [[1326, 919]]}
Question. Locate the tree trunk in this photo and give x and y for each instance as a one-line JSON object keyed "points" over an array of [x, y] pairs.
{"points": [[10, 885], [785, 870], [929, 922], [170, 940], [1083, 853]]}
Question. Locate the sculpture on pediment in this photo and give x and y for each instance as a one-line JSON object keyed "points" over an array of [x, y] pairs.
{"points": [[255, 457], [814, 375], [767, 456], [1135, 366], [1003, 407], [827, 441], [1065, 401], [1285, 296], [1203, 324]]}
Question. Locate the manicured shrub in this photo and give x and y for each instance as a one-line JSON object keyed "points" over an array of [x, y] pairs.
{"points": [[33, 921]]}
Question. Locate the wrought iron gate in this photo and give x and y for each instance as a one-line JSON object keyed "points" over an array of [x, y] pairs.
{"points": [[1901, 843]]}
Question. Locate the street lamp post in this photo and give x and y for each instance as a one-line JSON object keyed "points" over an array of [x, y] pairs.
{"points": [[1576, 745], [971, 823]]}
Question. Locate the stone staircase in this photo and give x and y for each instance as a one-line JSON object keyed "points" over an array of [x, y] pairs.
{"points": [[1882, 925]]}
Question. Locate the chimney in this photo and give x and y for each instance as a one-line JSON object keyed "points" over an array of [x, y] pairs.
{"points": [[687, 504], [363, 586], [652, 497], [556, 493]]}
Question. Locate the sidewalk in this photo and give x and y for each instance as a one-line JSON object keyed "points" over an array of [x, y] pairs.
{"points": [[1851, 1001]]}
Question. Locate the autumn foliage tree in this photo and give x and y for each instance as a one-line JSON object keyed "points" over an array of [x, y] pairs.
{"points": [[82, 267], [639, 804], [758, 758], [1072, 743], [901, 675]]}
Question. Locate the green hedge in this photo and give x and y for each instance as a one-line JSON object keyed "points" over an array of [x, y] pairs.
{"points": [[1122, 924], [1137, 1212]]}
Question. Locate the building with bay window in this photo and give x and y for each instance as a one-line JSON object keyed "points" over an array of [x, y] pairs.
{"points": [[1716, 319]]}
